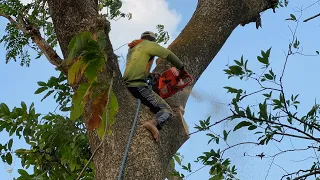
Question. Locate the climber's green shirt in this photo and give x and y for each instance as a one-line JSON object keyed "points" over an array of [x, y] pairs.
{"points": [[140, 58]]}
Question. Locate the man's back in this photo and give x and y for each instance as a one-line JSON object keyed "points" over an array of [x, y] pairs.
{"points": [[138, 63], [140, 58]]}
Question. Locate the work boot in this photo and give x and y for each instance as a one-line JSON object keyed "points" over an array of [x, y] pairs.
{"points": [[151, 126]]}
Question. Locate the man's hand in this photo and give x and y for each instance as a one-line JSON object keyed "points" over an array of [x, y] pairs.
{"points": [[182, 72], [154, 75]]}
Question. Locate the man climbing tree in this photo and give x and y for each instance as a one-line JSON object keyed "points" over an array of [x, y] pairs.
{"points": [[139, 61]]}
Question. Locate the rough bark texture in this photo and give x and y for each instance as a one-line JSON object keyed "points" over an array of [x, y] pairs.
{"points": [[210, 26]]}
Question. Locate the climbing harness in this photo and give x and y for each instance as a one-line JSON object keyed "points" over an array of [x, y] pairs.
{"points": [[129, 141]]}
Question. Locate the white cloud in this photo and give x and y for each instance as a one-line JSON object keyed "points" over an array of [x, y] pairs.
{"points": [[146, 15], [25, 1]]}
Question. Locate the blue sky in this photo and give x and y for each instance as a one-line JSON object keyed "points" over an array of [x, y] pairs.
{"points": [[19, 83]]}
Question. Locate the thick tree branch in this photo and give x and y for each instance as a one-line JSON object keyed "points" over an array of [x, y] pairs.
{"points": [[292, 150], [296, 136], [43, 45], [207, 31], [278, 123], [307, 175], [297, 172], [205, 34]]}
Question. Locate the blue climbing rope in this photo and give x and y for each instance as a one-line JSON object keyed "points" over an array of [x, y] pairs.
{"points": [[128, 144]]}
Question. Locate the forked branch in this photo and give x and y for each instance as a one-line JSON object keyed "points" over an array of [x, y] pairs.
{"points": [[44, 46]]}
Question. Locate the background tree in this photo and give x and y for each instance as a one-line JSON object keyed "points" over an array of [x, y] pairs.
{"points": [[50, 152]]}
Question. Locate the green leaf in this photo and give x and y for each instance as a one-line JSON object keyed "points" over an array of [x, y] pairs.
{"points": [[233, 90], [77, 44], [10, 144], [40, 90], [293, 17], [93, 69], [102, 40], [268, 76], [242, 124], [4, 108], [265, 57], [76, 71], [225, 135], [79, 101], [177, 158], [23, 105], [272, 73], [262, 60], [9, 158], [263, 110], [268, 52], [237, 70], [76, 111], [47, 95], [23, 172], [113, 107], [252, 127], [248, 112], [40, 83], [79, 95], [238, 62]]}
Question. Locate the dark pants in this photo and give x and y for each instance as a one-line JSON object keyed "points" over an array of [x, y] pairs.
{"points": [[156, 104]]}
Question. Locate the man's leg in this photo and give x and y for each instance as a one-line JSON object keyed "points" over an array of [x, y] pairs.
{"points": [[157, 105]]}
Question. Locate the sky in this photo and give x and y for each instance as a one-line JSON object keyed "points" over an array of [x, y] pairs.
{"points": [[19, 83]]}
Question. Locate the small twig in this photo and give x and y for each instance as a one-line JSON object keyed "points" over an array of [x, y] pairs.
{"points": [[252, 93], [195, 171], [314, 150], [296, 136], [311, 18], [306, 54], [211, 125], [120, 47], [266, 88], [301, 160], [281, 168], [311, 5], [276, 123], [238, 144], [269, 168], [291, 143], [289, 50], [104, 134], [292, 150]]}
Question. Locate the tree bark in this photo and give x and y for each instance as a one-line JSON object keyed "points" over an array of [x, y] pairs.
{"points": [[202, 38]]}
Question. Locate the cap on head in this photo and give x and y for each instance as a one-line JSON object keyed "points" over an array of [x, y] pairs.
{"points": [[148, 35]]}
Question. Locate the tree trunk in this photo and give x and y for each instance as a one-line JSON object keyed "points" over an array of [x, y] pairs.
{"points": [[202, 38]]}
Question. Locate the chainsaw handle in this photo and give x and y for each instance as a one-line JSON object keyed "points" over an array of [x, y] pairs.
{"points": [[186, 76]]}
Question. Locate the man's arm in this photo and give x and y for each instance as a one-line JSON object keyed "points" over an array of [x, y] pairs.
{"points": [[154, 49]]}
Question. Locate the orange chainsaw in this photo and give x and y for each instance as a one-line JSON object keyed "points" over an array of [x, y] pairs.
{"points": [[169, 83]]}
